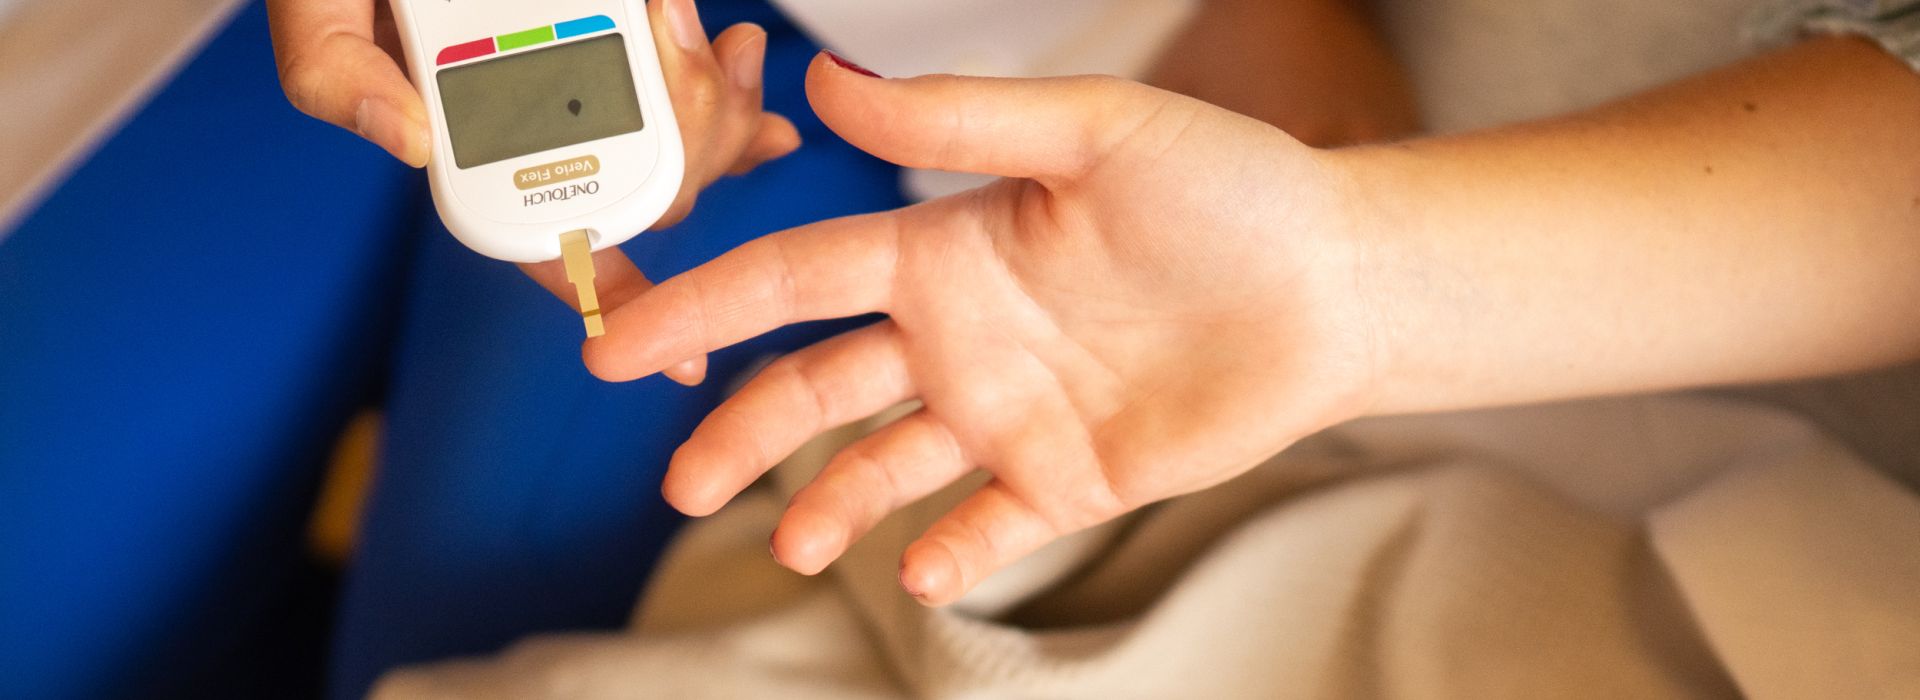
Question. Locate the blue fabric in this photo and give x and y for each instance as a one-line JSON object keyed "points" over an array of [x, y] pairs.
{"points": [[188, 321], [519, 494]]}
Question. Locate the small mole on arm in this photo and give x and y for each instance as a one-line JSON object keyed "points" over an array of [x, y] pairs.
{"points": [[1749, 106], [1709, 170]]}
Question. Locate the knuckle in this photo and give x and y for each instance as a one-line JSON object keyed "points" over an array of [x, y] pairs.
{"points": [[733, 419], [857, 461], [811, 392], [303, 82], [977, 538], [857, 476], [1106, 84], [962, 539], [1066, 508], [875, 471], [791, 372], [704, 93], [1098, 501]]}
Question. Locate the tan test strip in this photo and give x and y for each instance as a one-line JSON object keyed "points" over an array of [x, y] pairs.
{"points": [[577, 253]]}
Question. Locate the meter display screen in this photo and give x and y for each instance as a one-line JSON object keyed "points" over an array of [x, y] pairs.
{"points": [[528, 102]]}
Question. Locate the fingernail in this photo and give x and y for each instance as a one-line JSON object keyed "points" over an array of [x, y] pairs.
{"points": [[911, 587], [748, 62], [389, 127], [850, 65], [684, 21]]}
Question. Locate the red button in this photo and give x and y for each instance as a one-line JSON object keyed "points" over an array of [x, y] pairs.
{"points": [[462, 52]]}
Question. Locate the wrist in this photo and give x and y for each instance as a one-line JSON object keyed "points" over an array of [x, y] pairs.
{"points": [[1370, 190]]}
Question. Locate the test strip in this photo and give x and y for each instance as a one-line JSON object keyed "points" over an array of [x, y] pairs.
{"points": [[576, 252]]}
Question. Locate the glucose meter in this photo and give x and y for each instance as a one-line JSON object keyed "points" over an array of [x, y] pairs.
{"points": [[551, 120]]}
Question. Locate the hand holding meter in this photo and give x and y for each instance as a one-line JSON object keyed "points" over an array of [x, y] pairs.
{"points": [[551, 124]]}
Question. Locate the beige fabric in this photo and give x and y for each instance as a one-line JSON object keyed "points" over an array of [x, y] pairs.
{"points": [[1477, 63], [1877, 414], [1393, 558], [1005, 38], [70, 70], [1805, 577]]}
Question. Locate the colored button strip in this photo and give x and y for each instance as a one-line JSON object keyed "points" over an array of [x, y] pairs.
{"points": [[523, 39]]}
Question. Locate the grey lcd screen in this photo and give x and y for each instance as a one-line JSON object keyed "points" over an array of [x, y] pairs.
{"points": [[529, 102]]}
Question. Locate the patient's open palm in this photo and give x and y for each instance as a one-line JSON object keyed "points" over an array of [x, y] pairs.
{"points": [[1100, 330]]}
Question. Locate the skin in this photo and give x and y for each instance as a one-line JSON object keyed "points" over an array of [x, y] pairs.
{"points": [[1760, 222], [1150, 304], [340, 62]]}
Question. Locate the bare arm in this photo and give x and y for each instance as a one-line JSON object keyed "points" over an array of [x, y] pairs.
{"points": [[1163, 293], [1760, 222]]}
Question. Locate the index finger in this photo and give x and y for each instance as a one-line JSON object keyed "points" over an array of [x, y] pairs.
{"points": [[832, 269], [332, 69], [618, 281]]}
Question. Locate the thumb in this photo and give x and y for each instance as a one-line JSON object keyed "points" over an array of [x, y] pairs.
{"points": [[332, 69], [1048, 129]]}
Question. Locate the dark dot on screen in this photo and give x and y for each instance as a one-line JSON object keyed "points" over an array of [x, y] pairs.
{"points": [[574, 107]]}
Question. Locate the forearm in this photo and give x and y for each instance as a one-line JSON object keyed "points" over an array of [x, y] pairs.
{"points": [[1761, 222]]}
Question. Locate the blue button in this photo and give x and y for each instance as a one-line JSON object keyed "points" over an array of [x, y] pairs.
{"points": [[585, 25]]}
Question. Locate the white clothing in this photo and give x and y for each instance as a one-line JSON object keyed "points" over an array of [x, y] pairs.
{"points": [[1431, 557]]}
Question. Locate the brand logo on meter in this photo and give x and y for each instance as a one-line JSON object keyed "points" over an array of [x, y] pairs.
{"points": [[561, 194], [542, 177]]}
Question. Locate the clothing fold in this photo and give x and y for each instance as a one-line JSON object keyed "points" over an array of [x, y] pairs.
{"points": [[1412, 557]]}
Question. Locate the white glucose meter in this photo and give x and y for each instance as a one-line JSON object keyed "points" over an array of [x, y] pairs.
{"points": [[549, 117]]}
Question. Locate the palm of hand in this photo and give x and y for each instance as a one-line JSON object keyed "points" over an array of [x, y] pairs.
{"points": [[1097, 342]]}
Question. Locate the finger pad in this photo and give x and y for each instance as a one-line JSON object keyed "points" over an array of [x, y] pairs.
{"points": [[929, 574], [688, 492], [805, 543]]}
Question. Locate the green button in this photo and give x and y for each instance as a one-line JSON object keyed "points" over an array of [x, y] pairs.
{"points": [[516, 40]]}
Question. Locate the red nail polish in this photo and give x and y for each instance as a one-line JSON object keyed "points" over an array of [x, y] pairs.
{"points": [[850, 65]]}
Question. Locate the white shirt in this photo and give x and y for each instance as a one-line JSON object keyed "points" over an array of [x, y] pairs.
{"points": [[1003, 38]]}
